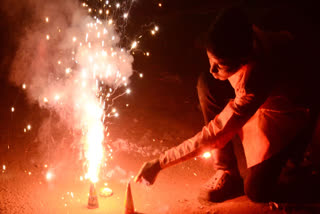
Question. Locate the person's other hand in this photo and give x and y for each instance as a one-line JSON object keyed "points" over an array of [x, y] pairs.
{"points": [[148, 172]]}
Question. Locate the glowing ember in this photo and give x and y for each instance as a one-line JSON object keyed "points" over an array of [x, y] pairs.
{"points": [[134, 45], [49, 176], [106, 192], [206, 155]]}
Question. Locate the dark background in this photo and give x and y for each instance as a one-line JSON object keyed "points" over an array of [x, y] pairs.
{"points": [[175, 57]]}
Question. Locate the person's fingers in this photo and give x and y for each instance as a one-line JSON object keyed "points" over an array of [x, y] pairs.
{"points": [[137, 179]]}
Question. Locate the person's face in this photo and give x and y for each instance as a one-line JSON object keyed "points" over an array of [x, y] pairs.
{"points": [[221, 69]]}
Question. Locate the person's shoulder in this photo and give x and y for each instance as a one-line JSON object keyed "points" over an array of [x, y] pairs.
{"points": [[273, 37]]}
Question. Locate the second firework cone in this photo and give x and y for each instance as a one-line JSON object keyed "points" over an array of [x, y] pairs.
{"points": [[128, 203], [93, 198]]}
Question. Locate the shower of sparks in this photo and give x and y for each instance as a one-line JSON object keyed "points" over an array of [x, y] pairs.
{"points": [[96, 71], [88, 79]]}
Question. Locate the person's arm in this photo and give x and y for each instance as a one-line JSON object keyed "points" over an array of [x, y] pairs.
{"points": [[220, 130], [215, 135]]}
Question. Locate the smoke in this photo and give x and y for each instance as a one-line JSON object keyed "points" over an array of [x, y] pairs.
{"points": [[65, 57], [71, 64]]}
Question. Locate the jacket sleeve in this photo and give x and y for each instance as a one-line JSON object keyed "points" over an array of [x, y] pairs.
{"points": [[221, 129]]}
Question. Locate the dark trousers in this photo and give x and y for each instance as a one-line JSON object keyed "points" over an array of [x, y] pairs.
{"points": [[261, 183]]}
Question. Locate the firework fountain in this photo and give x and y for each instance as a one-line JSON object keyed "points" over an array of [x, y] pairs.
{"points": [[81, 68]]}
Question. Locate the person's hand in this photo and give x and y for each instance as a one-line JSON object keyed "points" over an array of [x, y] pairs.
{"points": [[148, 172]]}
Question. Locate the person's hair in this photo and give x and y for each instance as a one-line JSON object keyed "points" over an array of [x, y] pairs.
{"points": [[231, 35]]}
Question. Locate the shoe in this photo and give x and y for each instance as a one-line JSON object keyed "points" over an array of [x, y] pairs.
{"points": [[222, 186]]}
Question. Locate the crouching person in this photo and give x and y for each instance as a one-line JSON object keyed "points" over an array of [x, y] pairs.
{"points": [[253, 90]]}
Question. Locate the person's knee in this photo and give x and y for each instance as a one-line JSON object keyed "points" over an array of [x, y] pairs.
{"points": [[257, 193], [202, 84], [205, 88]]}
